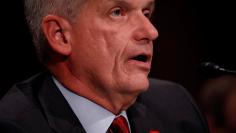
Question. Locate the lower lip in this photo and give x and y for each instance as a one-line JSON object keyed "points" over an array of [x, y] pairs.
{"points": [[144, 65]]}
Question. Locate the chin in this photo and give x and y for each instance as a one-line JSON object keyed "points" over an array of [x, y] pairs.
{"points": [[142, 84], [134, 88], [138, 84], [131, 87]]}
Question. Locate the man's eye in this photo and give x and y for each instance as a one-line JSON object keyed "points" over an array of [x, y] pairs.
{"points": [[147, 13], [117, 12]]}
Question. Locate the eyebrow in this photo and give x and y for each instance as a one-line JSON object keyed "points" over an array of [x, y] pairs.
{"points": [[151, 4]]}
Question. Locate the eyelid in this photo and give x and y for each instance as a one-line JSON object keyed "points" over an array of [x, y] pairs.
{"points": [[115, 9], [148, 11], [122, 11]]}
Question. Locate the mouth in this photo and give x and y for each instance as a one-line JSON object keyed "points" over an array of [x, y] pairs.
{"points": [[142, 60]]}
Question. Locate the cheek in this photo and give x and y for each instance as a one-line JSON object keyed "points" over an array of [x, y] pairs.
{"points": [[103, 46], [101, 50], [115, 43], [111, 46]]}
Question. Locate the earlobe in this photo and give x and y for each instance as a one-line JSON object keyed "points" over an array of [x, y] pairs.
{"points": [[57, 32]]}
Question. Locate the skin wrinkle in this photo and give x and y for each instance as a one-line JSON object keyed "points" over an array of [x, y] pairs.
{"points": [[95, 88], [94, 77]]}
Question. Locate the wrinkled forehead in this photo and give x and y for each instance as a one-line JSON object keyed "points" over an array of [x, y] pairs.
{"points": [[130, 1], [134, 3]]}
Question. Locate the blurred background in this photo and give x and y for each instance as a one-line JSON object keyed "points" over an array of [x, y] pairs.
{"points": [[190, 32]]}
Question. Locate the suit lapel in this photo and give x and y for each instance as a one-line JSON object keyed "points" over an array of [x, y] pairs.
{"points": [[143, 120], [56, 109]]}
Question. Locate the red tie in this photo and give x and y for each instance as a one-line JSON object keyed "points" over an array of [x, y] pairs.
{"points": [[119, 125]]}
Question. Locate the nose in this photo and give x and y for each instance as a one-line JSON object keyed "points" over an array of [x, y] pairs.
{"points": [[144, 29]]}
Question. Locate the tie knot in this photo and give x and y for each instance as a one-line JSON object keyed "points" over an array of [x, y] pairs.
{"points": [[119, 125]]}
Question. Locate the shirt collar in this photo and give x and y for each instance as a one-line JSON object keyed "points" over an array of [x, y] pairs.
{"points": [[93, 117]]}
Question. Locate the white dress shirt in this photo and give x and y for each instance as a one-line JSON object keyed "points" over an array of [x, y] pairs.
{"points": [[93, 117]]}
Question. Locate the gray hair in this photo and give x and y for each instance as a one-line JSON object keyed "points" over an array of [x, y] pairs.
{"points": [[35, 10]]}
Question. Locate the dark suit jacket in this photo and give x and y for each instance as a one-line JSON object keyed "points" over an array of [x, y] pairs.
{"points": [[37, 106]]}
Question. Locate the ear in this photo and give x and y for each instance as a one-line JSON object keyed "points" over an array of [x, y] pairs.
{"points": [[57, 31]]}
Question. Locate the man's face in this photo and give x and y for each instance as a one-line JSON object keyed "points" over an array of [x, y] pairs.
{"points": [[112, 46]]}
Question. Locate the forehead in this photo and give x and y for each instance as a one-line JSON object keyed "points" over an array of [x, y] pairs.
{"points": [[130, 1], [135, 3]]}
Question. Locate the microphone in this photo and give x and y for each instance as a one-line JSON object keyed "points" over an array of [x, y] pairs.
{"points": [[214, 67]]}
